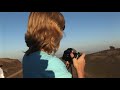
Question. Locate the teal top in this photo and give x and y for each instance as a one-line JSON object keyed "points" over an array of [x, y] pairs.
{"points": [[42, 65]]}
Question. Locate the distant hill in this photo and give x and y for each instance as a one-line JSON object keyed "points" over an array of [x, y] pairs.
{"points": [[10, 67], [103, 64]]}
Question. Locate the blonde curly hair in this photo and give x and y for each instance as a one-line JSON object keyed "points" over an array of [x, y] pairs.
{"points": [[45, 31]]}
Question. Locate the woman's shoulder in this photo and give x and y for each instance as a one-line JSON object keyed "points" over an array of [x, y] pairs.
{"points": [[56, 59], [56, 63], [43, 56], [51, 58], [59, 68]]}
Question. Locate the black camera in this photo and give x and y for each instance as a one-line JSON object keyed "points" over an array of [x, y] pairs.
{"points": [[66, 55]]}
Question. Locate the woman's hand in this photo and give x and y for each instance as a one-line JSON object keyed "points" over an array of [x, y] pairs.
{"points": [[79, 64]]}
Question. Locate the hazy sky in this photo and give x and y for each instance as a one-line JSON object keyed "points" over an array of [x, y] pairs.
{"points": [[85, 31]]}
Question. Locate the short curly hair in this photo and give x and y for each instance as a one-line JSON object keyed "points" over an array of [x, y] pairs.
{"points": [[45, 30]]}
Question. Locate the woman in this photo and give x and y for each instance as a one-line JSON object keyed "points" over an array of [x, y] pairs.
{"points": [[43, 36]]}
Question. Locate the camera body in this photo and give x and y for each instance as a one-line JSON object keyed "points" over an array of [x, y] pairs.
{"points": [[66, 55]]}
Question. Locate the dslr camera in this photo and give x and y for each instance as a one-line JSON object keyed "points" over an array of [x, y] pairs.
{"points": [[66, 55]]}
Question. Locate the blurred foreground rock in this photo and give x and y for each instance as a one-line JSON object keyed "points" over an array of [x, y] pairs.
{"points": [[12, 68]]}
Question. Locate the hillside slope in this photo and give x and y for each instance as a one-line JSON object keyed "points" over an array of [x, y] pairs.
{"points": [[103, 64]]}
